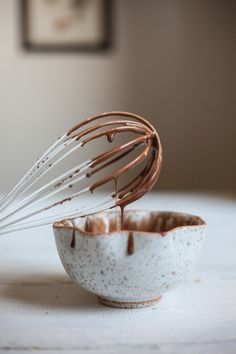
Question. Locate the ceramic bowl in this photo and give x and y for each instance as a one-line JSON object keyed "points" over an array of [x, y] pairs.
{"points": [[154, 253]]}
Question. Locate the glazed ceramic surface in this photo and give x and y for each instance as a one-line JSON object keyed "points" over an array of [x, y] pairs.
{"points": [[163, 257]]}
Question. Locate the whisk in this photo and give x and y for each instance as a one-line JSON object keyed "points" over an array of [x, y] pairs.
{"points": [[27, 205]]}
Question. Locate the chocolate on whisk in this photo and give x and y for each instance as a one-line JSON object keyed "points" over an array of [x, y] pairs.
{"points": [[28, 206], [142, 183]]}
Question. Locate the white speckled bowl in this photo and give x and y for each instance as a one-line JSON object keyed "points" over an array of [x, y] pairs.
{"points": [[165, 252]]}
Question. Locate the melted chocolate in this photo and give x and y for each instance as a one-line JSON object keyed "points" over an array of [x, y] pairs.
{"points": [[110, 137], [66, 179], [152, 152], [72, 244], [130, 247]]}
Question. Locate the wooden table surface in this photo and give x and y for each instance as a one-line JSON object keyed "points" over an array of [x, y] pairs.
{"points": [[41, 310]]}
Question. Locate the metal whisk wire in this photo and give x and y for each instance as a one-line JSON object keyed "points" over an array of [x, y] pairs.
{"points": [[19, 210]]}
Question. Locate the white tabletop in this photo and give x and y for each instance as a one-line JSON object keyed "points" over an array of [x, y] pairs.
{"points": [[41, 310]]}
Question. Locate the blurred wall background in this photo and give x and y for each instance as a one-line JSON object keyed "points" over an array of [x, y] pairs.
{"points": [[172, 61]]}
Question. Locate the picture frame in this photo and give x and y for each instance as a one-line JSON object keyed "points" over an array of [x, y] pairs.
{"points": [[66, 25]]}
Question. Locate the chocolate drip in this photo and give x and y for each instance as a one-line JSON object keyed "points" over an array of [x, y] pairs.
{"points": [[138, 160], [72, 244], [130, 248], [122, 209], [110, 137], [110, 133]]}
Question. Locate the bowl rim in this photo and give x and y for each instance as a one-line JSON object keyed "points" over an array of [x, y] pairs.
{"points": [[63, 224]]}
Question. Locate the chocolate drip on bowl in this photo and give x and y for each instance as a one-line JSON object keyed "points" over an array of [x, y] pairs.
{"points": [[130, 243]]}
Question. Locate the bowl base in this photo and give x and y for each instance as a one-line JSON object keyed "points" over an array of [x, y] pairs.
{"points": [[128, 305]]}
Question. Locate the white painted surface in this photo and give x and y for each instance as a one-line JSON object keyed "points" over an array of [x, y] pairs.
{"points": [[41, 310]]}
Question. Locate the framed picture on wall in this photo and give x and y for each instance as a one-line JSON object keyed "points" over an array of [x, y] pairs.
{"points": [[66, 25]]}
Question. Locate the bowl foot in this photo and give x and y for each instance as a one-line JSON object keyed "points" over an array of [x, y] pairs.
{"points": [[128, 305]]}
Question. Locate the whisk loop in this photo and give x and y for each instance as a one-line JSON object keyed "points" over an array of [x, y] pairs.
{"points": [[26, 207]]}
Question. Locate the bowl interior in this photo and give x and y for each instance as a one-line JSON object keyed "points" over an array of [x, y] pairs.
{"points": [[144, 221]]}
